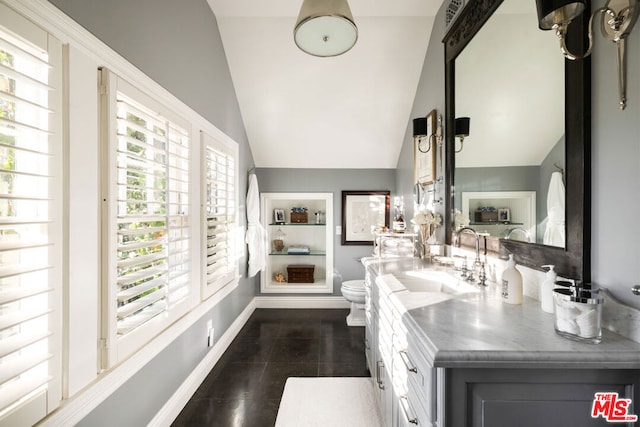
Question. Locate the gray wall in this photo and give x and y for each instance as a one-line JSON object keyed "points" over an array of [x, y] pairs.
{"points": [[615, 163], [429, 96], [346, 266], [180, 48], [615, 167], [515, 178]]}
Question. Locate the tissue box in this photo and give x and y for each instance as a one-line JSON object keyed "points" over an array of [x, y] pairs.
{"points": [[300, 273]]}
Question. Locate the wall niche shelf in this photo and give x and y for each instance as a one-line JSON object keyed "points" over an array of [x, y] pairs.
{"points": [[521, 206], [317, 237]]}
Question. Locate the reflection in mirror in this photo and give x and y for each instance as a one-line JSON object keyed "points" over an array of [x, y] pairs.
{"points": [[509, 80], [572, 260]]}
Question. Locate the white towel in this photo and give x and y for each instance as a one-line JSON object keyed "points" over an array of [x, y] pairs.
{"points": [[554, 234], [255, 237]]}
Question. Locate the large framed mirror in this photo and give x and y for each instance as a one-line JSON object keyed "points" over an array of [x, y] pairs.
{"points": [[529, 113]]}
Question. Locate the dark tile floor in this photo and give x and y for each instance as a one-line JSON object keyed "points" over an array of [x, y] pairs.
{"points": [[245, 386]]}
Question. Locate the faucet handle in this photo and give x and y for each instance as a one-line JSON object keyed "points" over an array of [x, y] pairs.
{"points": [[482, 276], [464, 268]]}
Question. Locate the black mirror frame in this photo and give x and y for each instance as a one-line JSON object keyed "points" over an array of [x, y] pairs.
{"points": [[574, 261]]}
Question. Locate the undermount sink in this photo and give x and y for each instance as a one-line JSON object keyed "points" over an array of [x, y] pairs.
{"points": [[433, 281]]}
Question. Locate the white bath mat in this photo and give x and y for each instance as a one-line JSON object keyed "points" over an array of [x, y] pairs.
{"points": [[328, 401]]}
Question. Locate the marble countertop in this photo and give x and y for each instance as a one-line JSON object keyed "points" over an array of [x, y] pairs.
{"points": [[479, 330]]}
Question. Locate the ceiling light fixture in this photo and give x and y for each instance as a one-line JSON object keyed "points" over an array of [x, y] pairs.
{"points": [[325, 28], [618, 18]]}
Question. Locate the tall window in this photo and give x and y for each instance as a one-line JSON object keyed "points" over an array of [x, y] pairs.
{"points": [[147, 232], [30, 221], [221, 212]]}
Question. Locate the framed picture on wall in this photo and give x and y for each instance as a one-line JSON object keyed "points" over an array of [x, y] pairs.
{"points": [[362, 212], [278, 216], [424, 153], [504, 215]]}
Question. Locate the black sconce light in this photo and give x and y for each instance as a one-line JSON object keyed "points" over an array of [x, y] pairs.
{"points": [[420, 133], [462, 130], [618, 18]]}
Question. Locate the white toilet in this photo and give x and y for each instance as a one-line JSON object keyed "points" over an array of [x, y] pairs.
{"points": [[353, 291]]}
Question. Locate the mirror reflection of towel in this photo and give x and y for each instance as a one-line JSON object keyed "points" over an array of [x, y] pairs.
{"points": [[554, 234]]}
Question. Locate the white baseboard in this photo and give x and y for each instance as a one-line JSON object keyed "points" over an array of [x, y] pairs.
{"points": [[301, 302], [178, 401]]}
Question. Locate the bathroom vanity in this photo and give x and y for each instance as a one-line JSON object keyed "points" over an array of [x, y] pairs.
{"points": [[442, 352]]}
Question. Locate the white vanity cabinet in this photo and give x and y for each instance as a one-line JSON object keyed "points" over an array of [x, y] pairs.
{"points": [[403, 380], [378, 347], [278, 216]]}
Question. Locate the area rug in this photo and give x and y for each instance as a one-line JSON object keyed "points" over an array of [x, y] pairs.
{"points": [[328, 401]]}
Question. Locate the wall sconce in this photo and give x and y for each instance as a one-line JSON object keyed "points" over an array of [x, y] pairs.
{"points": [[618, 19], [462, 130], [420, 133], [325, 28]]}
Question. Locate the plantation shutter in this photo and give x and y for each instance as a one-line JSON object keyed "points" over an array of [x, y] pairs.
{"points": [[149, 270], [221, 215], [153, 185], [30, 226]]}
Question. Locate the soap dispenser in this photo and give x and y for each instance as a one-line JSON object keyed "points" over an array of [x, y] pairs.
{"points": [[511, 283], [546, 290]]}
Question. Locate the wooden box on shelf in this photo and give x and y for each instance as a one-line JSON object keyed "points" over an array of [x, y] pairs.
{"points": [[299, 217], [484, 216], [300, 273]]}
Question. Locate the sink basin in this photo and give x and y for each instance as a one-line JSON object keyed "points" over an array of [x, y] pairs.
{"points": [[433, 281]]}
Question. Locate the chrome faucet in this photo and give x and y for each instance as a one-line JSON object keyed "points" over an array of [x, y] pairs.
{"points": [[477, 265], [524, 231]]}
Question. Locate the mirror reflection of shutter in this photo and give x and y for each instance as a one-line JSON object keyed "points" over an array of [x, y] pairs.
{"points": [[30, 223], [220, 214]]}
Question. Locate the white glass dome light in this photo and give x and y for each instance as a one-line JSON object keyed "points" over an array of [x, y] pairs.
{"points": [[325, 28]]}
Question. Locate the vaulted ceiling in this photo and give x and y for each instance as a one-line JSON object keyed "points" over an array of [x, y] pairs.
{"points": [[349, 111]]}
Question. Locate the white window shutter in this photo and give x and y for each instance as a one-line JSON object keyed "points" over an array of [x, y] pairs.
{"points": [[30, 223], [220, 215], [148, 277]]}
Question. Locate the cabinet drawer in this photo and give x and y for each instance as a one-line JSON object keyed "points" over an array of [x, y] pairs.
{"points": [[411, 415], [421, 378]]}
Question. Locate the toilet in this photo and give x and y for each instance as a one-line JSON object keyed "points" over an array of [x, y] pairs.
{"points": [[353, 291]]}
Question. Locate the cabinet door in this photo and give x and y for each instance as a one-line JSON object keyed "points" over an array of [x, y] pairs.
{"points": [[532, 398], [386, 401], [370, 318]]}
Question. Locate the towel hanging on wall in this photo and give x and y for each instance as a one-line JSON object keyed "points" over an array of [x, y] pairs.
{"points": [[554, 234], [255, 237]]}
